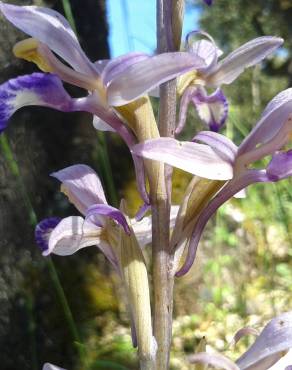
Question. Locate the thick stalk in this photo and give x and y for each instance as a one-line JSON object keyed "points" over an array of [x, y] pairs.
{"points": [[168, 32]]}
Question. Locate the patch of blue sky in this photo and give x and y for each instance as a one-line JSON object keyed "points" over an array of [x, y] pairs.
{"points": [[132, 25]]}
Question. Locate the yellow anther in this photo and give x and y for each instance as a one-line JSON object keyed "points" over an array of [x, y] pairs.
{"points": [[28, 50], [185, 81]]}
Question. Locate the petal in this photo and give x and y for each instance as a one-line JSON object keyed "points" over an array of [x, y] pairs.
{"points": [[100, 65], [268, 348], [213, 359], [247, 55], [43, 231], [198, 159], [51, 28], [48, 366], [272, 120], [82, 186], [143, 76], [73, 233], [101, 125], [183, 108], [205, 49], [107, 211], [219, 143], [118, 65], [42, 89], [280, 166], [228, 191], [212, 109], [284, 363]]}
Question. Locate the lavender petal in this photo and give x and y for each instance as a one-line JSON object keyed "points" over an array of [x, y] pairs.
{"points": [[108, 211], [280, 166], [198, 159], [43, 89], [272, 120], [183, 109], [205, 49], [82, 186], [43, 230], [118, 65], [143, 76], [71, 234], [52, 29], [212, 109], [219, 143], [268, 348], [247, 55]]}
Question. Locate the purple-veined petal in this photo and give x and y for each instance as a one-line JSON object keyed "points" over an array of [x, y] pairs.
{"points": [[82, 186], [198, 159], [43, 231], [213, 359], [183, 109], [101, 125], [118, 65], [247, 55], [143, 76], [212, 109], [272, 120], [205, 49], [74, 233], [41, 89], [48, 366], [71, 234], [268, 348], [280, 166], [52, 29], [219, 143], [228, 191], [107, 211]]}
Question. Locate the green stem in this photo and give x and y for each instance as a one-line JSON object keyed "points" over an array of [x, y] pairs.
{"points": [[69, 15]]}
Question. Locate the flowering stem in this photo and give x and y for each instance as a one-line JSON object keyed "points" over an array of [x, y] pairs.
{"points": [[161, 198]]}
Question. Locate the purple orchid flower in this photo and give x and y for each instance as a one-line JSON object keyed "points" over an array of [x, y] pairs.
{"points": [[147, 74], [219, 158], [208, 2], [53, 32], [270, 351], [66, 236]]}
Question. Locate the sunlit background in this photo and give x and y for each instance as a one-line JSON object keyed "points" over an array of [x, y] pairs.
{"points": [[70, 310]]}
